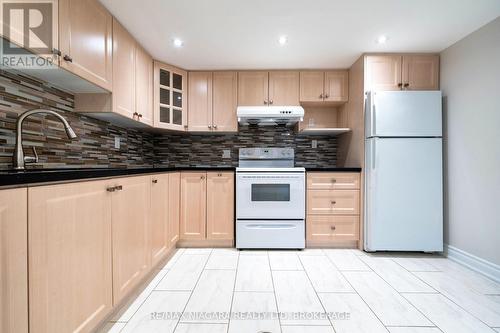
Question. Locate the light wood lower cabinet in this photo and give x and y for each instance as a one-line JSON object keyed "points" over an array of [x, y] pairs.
{"points": [[333, 208], [70, 269], [13, 261], [160, 238], [174, 206], [220, 205], [207, 206], [193, 205], [131, 230]]}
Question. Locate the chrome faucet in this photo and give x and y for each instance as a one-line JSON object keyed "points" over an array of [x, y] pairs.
{"points": [[19, 159]]}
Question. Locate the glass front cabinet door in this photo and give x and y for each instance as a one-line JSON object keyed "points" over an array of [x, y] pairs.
{"points": [[170, 97]]}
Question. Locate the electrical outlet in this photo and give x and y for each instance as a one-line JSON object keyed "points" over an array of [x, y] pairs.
{"points": [[226, 153], [314, 144], [117, 142]]}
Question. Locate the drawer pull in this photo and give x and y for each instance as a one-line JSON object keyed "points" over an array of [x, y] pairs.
{"points": [[155, 181], [111, 189], [334, 180], [119, 188], [334, 202], [332, 227]]}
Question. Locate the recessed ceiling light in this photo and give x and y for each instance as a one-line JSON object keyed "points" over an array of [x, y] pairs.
{"points": [[382, 39], [178, 42], [283, 40]]}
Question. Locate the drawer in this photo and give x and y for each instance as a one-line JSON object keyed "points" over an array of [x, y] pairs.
{"points": [[343, 202], [333, 180], [331, 227]]}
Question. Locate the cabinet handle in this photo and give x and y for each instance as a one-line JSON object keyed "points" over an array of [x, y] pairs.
{"points": [[334, 180], [321, 96], [155, 181], [215, 126], [400, 85], [406, 85], [333, 202], [202, 177], [326, 96], [209, 126], [139, 115], [219, 174], [111, 189], [56, 52], [265, 102], [271, 102], [332, 227], [119, 188], [67, 58]]}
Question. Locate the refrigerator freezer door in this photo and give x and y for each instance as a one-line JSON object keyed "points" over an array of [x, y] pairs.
{"points": [[403, 114], [404, 194]]}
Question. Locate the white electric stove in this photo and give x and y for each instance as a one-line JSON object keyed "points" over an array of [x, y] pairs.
{"points": [[270, 200]]}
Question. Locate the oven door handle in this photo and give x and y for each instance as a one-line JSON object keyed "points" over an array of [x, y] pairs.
{"points": [[272, 226]]}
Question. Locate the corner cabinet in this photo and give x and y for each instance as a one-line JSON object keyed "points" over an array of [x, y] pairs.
{"points": [[170, 102], [13, 261]]}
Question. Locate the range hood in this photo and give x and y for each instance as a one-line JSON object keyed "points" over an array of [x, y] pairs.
{"points": [[270, 115]]}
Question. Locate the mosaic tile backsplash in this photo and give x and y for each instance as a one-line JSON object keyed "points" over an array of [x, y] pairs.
{"points": [[94, 146]]}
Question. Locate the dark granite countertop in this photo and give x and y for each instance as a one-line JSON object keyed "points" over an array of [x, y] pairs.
{"points": [[334, 169], [13, 178]]}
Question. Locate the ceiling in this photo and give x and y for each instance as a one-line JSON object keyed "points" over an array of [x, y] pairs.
{"points": [[243, 34]]}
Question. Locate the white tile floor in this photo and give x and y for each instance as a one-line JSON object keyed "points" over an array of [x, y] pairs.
{"points": [[396, 293]]}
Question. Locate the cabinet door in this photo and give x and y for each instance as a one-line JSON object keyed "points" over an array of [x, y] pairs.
{"points": [[13, 260], [193, 205], [312, 86], [421, 72], [131, 230], [284, 88], [220, 205], [143, 86], [253, 88], [124, 73], [174, 206], [170, 104], [69, 238], [200, 101], [85, 35], [225, 101], [336, 86], [160, 240], [383, 72]]}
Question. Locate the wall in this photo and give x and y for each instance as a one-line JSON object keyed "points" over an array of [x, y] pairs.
{"points": [[470, 81], [190, 150], [94, 146]]}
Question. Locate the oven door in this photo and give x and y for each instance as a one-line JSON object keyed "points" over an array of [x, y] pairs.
{"points": [[267, 195]]}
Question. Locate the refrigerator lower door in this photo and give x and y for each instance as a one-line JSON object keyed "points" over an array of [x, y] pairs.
{"points": [[404, 194]]}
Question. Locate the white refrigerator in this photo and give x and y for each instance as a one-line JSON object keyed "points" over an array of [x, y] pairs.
{"points": [[403, 171]]}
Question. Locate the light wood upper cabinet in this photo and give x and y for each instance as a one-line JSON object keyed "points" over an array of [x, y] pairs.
{"points": [[253, 88], [311, 86], [143, 86], [336, 86], [160, 238], [225, 100], [13, 261], [69, 237], [174, 206], [170, 100], [131, 233], [324, 87], [193, 205], [124, 71], [402, 72], [420, 72], [220, 205], [85, 41], [200, 101], [284, 88]]}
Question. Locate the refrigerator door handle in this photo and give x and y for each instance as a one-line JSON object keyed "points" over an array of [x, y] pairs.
{"points": [[373, 153], [371, 105]]}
